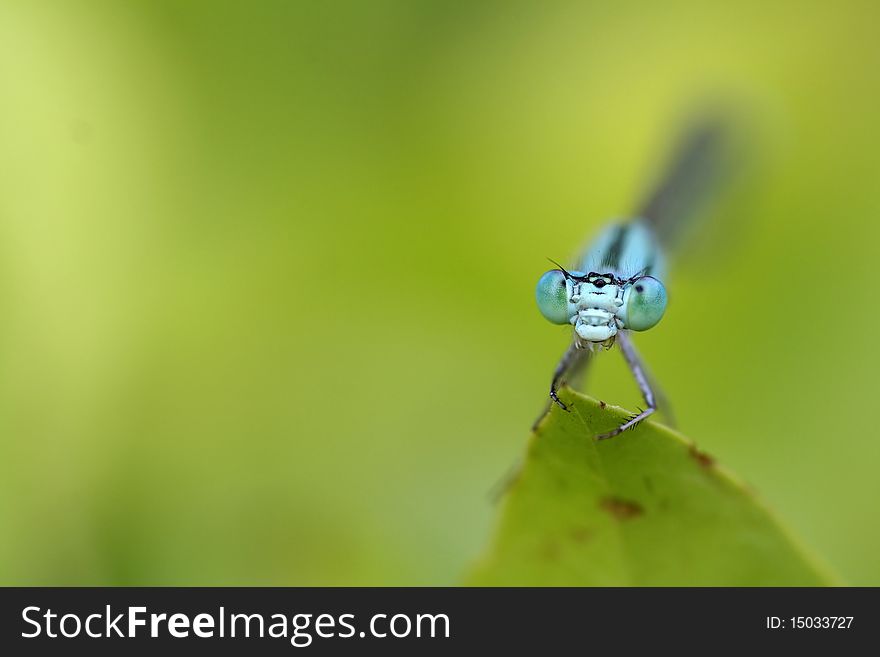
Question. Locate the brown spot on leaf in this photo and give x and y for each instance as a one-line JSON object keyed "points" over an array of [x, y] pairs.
{"points": [[602, 404], [581, 534], [705, 460], [620, 508]]}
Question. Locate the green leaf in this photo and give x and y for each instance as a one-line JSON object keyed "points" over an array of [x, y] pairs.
{"points": [[645, 508]]}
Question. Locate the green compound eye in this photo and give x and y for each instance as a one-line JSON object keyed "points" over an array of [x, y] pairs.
{"points": [[644, 303], [552, 297]]}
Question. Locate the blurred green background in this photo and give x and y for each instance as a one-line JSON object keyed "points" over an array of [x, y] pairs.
{"points": [[267, 272]]}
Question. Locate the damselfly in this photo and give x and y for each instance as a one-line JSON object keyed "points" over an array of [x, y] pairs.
{"points": [[617, 286]]}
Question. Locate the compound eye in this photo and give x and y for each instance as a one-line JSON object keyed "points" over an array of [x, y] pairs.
{"points": [[552, 297], [644, 303]]}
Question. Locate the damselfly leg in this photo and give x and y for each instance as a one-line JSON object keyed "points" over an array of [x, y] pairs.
{"points": [[635, 365], [571, 359], [570, 371]]}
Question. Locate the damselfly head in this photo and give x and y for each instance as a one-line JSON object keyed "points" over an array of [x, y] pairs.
{"points": [[598, 305]]}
